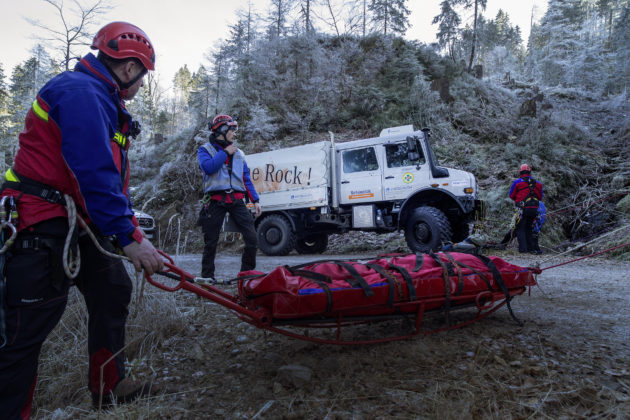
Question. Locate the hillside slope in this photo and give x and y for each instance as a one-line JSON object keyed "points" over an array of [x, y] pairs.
{"points": [[576, 143]]}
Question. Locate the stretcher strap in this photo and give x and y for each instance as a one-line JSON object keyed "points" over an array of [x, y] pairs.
{"points": [[358, 278], [391, 281], [322, 281], [499, 280], [447, 287], [479, 273], [405, 275], [419, 262], [460, 275]]}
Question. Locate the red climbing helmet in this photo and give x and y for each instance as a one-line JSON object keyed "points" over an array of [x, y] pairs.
{"points": [[222, 123], [124, 40], [525, 168]]}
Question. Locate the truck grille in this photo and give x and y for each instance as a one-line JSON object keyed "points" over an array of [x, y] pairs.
{"points": [[145, 222]]}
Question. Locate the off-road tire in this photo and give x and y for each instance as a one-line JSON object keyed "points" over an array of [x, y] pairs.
{"points": [[312, 244], [275, 236], [427, 228]]}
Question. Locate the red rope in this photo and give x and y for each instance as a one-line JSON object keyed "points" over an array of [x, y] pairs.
{"points": [[588, 256]]}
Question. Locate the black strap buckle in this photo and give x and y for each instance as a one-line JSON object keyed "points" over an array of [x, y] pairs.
{"points": [[52, 196], [29, 243]]}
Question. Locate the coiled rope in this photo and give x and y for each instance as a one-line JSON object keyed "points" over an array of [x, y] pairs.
{"points": [[72, 263]]}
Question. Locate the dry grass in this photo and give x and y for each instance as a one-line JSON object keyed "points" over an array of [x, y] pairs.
{"points": [[565, 363]]}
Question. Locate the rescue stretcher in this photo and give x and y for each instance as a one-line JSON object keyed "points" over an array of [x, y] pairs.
{"points": [[339, 293]]}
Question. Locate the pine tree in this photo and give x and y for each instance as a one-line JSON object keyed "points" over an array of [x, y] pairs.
{"points": [[4, 105], [476, 4], [390, 15], [26, 80], [448, 28], [6, 142], [620, 39], [278, 17], [201, 96], [556, 41]]}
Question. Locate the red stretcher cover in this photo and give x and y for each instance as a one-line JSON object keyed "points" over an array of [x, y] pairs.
{"points": [[383, 285]]}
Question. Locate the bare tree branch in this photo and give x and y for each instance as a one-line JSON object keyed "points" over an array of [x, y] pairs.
{"points": [[74, 28]]}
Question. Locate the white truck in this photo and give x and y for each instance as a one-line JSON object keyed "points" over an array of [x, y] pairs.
{"points": [[380, 184]]}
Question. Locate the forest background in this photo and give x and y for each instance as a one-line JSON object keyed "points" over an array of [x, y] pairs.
{"points": [[558, 101]]}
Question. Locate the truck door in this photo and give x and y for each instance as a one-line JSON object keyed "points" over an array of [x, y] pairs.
{"points": [[359, 176], [402, 175]]}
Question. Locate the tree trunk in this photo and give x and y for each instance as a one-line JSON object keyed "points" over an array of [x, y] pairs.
{"points": [[474, 39]]}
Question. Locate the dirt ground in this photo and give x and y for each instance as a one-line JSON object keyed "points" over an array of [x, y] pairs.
{"points": [[569, 360]]}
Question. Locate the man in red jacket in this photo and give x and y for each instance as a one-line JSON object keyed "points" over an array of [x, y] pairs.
{"points": [[526, 193], [73, 149]]}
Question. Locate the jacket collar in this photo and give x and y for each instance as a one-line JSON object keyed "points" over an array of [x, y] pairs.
{"points": [[90, 65]]}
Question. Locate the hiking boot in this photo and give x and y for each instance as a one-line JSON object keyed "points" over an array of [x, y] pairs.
{"points": [[126, 391]]}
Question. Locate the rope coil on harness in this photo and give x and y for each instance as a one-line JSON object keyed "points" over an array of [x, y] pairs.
{"points": [[72, 263]]}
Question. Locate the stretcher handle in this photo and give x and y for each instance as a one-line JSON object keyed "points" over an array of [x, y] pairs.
{"points": [[172, 272], [186, 281]]}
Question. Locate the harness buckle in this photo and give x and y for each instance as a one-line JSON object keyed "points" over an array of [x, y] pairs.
{"points": [[52, 196]]}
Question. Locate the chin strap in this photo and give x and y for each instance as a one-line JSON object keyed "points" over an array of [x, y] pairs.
{"points": [[124, 87], [222, 142]]}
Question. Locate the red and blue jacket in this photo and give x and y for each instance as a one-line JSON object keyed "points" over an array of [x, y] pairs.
{"points": [[520, 189], [75, 141]]}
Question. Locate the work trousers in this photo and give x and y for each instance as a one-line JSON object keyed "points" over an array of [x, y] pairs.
{"points": [[211, 219], [525, 233], [36, 297]]}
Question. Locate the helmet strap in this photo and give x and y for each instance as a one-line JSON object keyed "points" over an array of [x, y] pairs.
{"points": [[124, 87], [222, 142]]}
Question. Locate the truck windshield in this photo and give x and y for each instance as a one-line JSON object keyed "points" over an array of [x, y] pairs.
{"points": [[397, 155], [359, 160]]}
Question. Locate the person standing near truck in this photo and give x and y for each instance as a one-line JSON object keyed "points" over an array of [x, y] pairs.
{"points": [[73, 149], [226, 186], [526, 193]]}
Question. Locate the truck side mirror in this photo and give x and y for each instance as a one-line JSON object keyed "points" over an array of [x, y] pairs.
{"points": [[412, 149]]}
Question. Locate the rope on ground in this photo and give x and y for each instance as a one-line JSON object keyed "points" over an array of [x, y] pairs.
{"points": [[583, 245]]}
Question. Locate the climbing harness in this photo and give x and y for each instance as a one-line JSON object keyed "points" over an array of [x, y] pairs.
{"points": [[529, 205]]}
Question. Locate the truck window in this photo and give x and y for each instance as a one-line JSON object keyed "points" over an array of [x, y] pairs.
{"points": [[397, 156], [359, 160]]}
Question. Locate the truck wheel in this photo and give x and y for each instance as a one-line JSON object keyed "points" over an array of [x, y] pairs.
{"points": [[313, 244], [275, 236], [427, 229]]}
